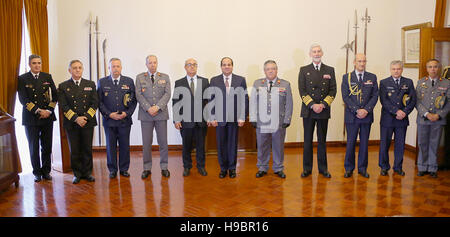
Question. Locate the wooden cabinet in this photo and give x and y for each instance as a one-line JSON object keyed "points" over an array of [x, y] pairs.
{"points": [[9, 156]]}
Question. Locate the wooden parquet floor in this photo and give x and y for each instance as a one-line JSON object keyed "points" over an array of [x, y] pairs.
{"points": [[244, 196]]}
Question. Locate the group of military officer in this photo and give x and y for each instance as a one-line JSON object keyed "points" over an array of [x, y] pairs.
{"points": [[269, 110]]}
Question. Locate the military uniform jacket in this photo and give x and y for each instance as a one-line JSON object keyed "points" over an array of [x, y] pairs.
{"points": [[359, 95], [36, 94], [148, 94], [77, 101], [394, 97], [116, 98], [432, 99], [285, 103], [316, 87], [183, 83]]}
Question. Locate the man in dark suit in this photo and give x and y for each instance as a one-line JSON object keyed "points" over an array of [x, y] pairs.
{"points": [[398, 98], [317, 86], [229, 114], [360, 94], [117, 99], [79, 101], [38, 95], [188, 104]]}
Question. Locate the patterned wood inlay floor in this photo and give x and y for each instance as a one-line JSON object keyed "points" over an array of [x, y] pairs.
{"points": [[245, 195]]}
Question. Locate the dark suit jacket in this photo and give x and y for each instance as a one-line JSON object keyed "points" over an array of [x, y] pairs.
{"points": [[111, 99], [182, 89], [316, 88], [240, 98], [77, 101], [369, 97], [391, 98], [35, 93]]}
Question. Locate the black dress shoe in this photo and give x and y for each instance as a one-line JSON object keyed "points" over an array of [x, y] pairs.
{"points": [[232, 174], [202, 172], [145, 174], [37, 178], [165, 173], [90, 178], [364, 174], [400, 172], [421, 173], [260, 174], [112, 175], [433, 174], [383, 172], [186, 172], [47, 177], [348, 174], [305, 174], [223, 174], [281, 174], [125, 174], [75, 180], [326, 174]]}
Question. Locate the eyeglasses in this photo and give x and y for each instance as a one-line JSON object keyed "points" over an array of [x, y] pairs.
{"points": [[191, 65]]}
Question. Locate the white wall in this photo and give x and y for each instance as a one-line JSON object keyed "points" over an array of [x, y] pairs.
{"points": [[249, 31]]}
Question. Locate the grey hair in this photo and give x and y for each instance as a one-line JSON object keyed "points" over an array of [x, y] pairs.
{"points": [[74, 61], [151, 55], [33, 56], [397, 62], [114, 59], [314, 46], [434, 60], [270, 61]]}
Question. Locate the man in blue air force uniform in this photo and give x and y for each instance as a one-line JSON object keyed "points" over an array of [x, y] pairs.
{"points": [[398, 98], [117, 99]]}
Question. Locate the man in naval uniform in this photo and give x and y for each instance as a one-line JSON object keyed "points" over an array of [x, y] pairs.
{"points": [[153, 94], [78, 100], [37, 94], [270, 113], [317, 87], [432, 108]]}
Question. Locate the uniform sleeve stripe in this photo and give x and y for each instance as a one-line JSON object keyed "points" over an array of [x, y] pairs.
{"points": [[30, 106], [69, 114], [91, 112]]}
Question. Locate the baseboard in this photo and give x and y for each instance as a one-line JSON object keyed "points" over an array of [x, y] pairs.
{"points": [[286, 145]]}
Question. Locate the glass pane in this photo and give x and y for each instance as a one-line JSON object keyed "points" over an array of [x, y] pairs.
{"points": [[442, 52]]}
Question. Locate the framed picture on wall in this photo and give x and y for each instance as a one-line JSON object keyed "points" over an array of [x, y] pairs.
{"points": [[411, 44]]}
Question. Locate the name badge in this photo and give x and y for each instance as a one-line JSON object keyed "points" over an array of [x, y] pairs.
{"points": [[125, 87], [87, 89], [369, 82], [46, 83], [326, 76], [404, 87]]}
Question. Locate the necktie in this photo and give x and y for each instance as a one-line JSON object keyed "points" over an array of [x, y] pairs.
{"points": [[270, 86], [317, 67], [432, 82], [192, 86], [359, 77], [227, 84], [397, 81], [36, 76], [77, 83], [153, 79], [115, 82]]}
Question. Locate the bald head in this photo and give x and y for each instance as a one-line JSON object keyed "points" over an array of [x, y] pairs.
{"points": [[360, 62]]}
